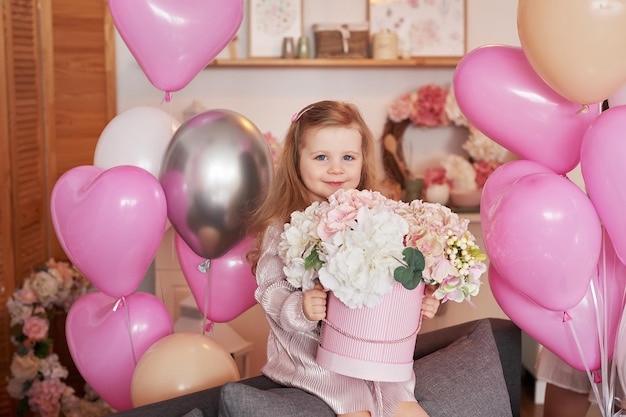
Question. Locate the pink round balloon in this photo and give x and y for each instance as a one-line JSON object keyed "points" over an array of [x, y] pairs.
{"points": [[174, 40], [107, 339], [544, 239], [109, 223], [227, 289], [499, 181], [499, 92], [603, 168]]}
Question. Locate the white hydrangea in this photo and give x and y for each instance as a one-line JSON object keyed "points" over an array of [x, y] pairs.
{"points": [[297, 242], [359, 269]]}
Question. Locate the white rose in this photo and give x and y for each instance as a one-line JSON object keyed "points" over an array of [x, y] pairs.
{"points": [[46, 285]]}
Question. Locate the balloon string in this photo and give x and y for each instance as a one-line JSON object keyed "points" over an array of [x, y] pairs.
{"points": [[607, 385], [205, 267], [121, 302], [608, 369], [587, 370]]}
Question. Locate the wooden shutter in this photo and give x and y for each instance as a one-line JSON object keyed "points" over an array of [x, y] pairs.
{"points": [[80, 83], [27, 193], [6, 234], [57, 93]]}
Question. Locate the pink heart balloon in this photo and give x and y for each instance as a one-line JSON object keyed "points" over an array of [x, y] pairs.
{"points": [[109, 223], [107, 339], [552, 328], [231, 284], [603, 152], [601, 307], [499, 92], [544, 238], [174, 40], [499, 181]]}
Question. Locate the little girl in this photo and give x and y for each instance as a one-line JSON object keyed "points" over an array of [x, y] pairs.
{"points": [[327, 147]]}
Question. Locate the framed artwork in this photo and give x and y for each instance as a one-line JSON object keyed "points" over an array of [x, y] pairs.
{"points": [[425, 28], [270, 21]]}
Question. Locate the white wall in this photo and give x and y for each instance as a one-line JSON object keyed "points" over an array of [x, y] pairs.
{"points": [[270, 96]]}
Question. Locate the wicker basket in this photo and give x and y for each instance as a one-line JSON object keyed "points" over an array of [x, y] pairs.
{"points": [[341, 40]]}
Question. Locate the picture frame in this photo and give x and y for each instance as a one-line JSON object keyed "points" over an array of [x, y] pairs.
{"points": [[271, 21], [425, 28]]}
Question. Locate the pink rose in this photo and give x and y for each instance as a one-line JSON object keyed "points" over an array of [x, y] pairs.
{"points": [[26, 296], [483, 170], [435, 176], [35, 328], [429, 109], [336, 220], [44, 397]]}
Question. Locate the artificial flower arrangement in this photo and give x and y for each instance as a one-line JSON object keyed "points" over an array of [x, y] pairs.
{"points": [[36, 372], [359, 243], [435, 106]]}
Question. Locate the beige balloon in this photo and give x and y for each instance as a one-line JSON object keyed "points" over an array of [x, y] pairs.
{"points": [[179, 364], [576, 46]]}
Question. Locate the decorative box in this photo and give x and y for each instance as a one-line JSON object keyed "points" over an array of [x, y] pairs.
{"points": [[372, 343], [333, 40]]}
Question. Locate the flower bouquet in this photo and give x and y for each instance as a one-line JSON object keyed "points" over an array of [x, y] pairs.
{"points": [[37, 375], [375, 255]]}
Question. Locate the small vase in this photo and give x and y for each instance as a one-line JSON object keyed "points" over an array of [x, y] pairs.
{"points": [[304, 51], [413, 189]]}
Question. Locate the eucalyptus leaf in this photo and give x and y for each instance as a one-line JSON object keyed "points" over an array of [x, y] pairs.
{"points": [[410, 274], [313, 261]]}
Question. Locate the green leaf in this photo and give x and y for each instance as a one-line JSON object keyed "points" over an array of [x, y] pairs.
{"points": [[22, 406], [410, 274], [42, 348], [313, 261]]}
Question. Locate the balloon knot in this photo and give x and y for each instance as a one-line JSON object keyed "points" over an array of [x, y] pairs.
{"points": [[205, 266], [208, 327], [566, 317], [597, 378], [120, 302], [168, 96]]}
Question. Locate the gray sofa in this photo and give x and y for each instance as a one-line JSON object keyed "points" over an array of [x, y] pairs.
{"points": [[470, 369]]}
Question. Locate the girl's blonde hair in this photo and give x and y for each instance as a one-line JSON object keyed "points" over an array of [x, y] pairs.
{"points": [[287, 192]]}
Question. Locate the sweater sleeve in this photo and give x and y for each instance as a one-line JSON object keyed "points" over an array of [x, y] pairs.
{"points": [[281, 301]]}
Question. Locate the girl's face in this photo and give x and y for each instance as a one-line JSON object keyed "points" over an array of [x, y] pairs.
{"points": [[332, 158]]}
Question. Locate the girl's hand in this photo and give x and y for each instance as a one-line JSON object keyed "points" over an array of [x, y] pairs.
{"points": [[314, 303], [430, 304]]}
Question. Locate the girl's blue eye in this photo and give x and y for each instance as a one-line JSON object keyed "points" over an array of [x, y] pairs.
{"points": [[348, 157], [321, 157]]}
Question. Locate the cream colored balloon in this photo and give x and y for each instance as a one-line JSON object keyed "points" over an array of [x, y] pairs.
{"points": [[179, 364], [576, 46]]}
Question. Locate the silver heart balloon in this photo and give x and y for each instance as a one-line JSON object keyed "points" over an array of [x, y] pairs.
{"points": [[216, 170]]}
